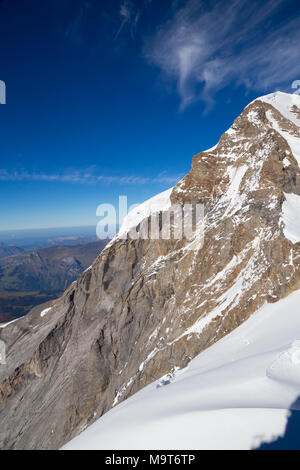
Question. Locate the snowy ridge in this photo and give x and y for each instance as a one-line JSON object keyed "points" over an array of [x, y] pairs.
{"points": [[159, 202], [3, 325], [244, 384], [283, 102]]}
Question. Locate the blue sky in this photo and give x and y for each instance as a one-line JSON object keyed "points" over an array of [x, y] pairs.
{"points": [[109, 98]]}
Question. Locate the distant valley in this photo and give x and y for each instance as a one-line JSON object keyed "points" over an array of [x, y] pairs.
{"points": [[29, 278]]}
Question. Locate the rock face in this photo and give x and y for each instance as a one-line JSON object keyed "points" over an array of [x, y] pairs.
{"points": [[146, 307]]}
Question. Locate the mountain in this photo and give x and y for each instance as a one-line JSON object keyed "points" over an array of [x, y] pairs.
{"points": [[147, 307], [9, 250], [33, 277], [47, 270]]}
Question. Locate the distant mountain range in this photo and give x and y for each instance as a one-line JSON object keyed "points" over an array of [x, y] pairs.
{"points": [[32, 277], [9, 250], [42, 238]]}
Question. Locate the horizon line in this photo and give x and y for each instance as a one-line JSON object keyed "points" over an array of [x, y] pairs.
{"points": [[47, 228]]}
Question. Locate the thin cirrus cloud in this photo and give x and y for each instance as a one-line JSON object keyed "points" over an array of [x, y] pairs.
{"points": [[85, 177], [125, 14], [129, 13], [234, 42]]}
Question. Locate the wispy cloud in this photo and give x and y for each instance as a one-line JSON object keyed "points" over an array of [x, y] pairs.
{"points": [[130, 14], [233, 42], [125, 14], [87, 176]]}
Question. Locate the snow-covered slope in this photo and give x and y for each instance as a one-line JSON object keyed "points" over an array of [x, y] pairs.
{"points": [[160, 202], [291, 217], [234, 395], [288, 106], [284, 103]]}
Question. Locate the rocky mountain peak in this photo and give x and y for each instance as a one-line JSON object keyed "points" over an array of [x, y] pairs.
{"points": [[261, 144]]}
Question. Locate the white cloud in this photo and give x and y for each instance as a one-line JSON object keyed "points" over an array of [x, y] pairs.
{"points": [[231, 43], [87, 176]]}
